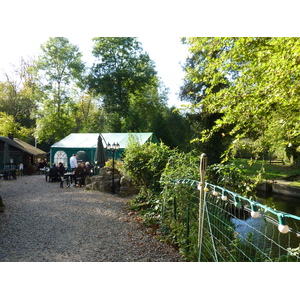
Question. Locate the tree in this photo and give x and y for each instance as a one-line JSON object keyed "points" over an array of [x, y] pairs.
{"points": [[144, 106], [8, 125], [18, 94], [172, 128], [194, 91], [90, 116], [18, 99], [259, 78], [123, 70], [60, 71]]}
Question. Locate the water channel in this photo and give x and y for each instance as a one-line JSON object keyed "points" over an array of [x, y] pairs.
{"points": [[283, 203], [280, 202]]}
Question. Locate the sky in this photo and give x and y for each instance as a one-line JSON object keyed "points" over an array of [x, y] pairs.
{"points": [[167, 52], [25, 25]]}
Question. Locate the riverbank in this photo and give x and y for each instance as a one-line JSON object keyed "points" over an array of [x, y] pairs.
{"points": [[281, 187]]}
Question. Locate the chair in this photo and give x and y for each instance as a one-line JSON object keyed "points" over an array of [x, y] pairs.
{"points": [[62, 180], [79, 178], [53, 176]]}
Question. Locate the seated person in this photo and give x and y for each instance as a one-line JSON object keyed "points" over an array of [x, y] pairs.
{"points": [[61, 169], [87, 169], [53, 173], [89, 166], [79, 174]]}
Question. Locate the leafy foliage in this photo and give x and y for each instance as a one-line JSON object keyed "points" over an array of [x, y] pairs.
{"points": [[18, 101], [59, 70], [144, 163], [259, 98], [8, 126], [122, 70], [232, 177], [56, 94], [163, 201], [179, 203]]}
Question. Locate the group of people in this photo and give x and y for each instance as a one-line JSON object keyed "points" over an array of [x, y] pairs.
{"points": [[81, 170], [56, 172]]}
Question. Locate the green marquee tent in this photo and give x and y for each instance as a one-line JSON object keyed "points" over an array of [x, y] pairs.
{"points": [[85, 145]]}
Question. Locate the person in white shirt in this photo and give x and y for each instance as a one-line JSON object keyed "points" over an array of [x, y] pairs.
{"points": [[73, 162]]}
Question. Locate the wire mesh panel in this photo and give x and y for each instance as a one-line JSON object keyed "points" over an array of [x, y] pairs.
{"points": [[239, 229], [233, 229], [179, 218]]}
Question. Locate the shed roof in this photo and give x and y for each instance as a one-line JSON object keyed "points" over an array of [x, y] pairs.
{"points": [[89, 140], [29, 148], [21, 145]]}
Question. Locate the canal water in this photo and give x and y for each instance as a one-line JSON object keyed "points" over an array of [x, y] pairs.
{"points": [[287, 204], [282, 203]]}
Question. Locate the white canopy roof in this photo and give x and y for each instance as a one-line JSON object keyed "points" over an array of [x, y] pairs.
{"points": [[89, 140]]}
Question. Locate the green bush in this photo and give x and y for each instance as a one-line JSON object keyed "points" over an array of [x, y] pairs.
{"points": [[166, 198], [179, 202], [232, 177], [145, 164]]}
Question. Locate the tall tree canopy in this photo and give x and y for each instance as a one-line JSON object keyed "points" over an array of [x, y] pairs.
{"points": [[123, 70], [260, 90], [18, 95], [60, 69]]}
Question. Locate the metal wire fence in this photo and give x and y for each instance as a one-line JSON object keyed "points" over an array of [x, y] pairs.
{"points": [[226, 227]]}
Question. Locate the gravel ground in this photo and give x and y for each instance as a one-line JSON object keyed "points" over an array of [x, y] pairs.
{"points": [[45, 223]]}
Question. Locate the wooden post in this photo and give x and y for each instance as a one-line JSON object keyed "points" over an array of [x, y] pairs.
{"points": [[203, 166]]}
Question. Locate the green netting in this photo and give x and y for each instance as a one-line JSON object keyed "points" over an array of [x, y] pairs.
{"points": [[235, 229]]}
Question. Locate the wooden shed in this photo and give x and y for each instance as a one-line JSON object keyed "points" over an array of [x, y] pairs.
{"points": [[20, 152]]}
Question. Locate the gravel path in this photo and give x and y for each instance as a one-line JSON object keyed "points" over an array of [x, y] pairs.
{"points": [[45, 223]]}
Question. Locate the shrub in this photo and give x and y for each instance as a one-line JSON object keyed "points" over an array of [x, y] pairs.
{"points": [[145, 164], [118, 165], [177, 201], [231, 177]]}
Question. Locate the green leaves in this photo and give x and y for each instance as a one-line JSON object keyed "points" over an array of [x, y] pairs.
{"points": [[145, 163], [122, 70], [60, 72], [259, 80]]}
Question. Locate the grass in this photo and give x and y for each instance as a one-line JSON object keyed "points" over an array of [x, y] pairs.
{"points": [[271, 171]]}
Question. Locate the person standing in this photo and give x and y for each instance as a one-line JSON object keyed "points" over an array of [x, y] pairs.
{"points": [[73, 162], [21, 167]]}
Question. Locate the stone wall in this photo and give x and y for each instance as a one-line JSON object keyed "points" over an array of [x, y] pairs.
{"points": [[103, 182], [279, 187], [285, 189]]}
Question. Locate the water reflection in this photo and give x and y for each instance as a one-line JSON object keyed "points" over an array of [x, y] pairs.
{"points": [[282, 203], [264, 234]]}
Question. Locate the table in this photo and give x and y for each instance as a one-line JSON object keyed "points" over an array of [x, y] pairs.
{"points": [[9, 173], [69, 177]]}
